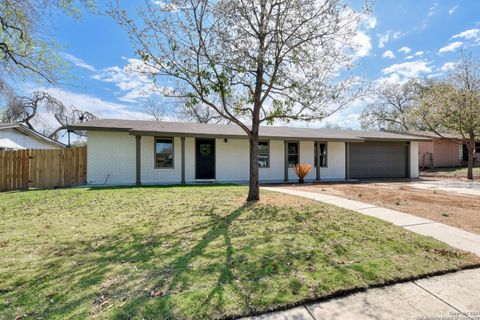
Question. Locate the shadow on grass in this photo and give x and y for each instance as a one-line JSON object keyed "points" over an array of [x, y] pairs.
{"points": [[94, 261]]}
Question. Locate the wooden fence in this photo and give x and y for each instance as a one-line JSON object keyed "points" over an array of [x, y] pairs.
{"points": [[42, 168]]}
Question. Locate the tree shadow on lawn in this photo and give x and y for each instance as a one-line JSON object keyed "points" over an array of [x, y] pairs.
{"points": [[160, 186], [93, 264]]}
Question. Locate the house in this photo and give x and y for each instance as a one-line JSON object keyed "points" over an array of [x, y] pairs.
{"points": [[14, 136], [449, 150], [147, 152]]}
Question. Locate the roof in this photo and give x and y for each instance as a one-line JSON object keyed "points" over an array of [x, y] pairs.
{"points": [[26, 130], [154, 128], [430, 134]]}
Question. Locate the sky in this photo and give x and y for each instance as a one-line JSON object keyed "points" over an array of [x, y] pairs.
{"points": [[399, 40]]}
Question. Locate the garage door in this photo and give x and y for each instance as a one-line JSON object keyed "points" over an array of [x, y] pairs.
{"points": [[377, 160]]}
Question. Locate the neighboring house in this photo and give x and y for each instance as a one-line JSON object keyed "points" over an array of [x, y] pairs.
{"points": [[14, 136], [446, 151], [146, 152]]}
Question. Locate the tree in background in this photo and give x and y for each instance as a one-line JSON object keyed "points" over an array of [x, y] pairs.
{"points": [[27, 110], [452, 104], [25, 49], [392, 108], [250, 61]]}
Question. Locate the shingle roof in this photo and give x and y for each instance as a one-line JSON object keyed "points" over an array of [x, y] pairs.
{"points": [[141, 127]]}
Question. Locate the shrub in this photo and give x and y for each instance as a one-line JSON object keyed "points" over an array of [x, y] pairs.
{"points": [[301, 170]]}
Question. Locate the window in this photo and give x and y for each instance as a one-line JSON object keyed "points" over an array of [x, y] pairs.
{"points": [[292, 154], [323, 154], [263, 154], [164, 153]]}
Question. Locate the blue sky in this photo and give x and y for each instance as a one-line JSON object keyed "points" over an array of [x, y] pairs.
{"points": [[401, 39]]}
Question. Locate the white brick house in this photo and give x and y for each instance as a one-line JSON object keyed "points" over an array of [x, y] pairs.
{"points": [[123, 152]]}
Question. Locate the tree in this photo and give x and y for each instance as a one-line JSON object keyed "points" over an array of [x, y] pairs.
{"points": [[452, 104], [25, 110], [392, 107], [24, 48], [254, 61]]}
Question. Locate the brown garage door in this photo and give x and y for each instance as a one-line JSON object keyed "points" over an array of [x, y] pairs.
{"points": [[377, 160]]}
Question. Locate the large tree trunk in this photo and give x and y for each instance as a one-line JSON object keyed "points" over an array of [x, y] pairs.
{"points": [[253, 187], [471, 151]]}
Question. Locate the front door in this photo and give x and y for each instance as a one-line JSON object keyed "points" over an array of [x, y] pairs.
{"points": [[205, 159]]}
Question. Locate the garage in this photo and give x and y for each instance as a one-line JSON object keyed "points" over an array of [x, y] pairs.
{"points": [[371, 160]]}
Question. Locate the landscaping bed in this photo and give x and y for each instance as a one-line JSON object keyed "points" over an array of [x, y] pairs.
{"points": [[193, 253], [455, 209]]}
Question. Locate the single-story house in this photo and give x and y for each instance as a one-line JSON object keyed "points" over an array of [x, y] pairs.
{"points": [[148, 152], [14, 136], [449, 150]]}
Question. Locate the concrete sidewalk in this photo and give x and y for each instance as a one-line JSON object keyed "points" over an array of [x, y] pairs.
{"points": [[451, 296], [452, 236]]}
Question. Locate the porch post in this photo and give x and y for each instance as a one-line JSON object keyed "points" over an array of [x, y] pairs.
{"points": [[286, 162], [138, 160], [183, 160], [317, 162]]}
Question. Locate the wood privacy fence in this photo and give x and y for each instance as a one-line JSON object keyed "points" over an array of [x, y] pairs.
{"points": [[43, 168]]}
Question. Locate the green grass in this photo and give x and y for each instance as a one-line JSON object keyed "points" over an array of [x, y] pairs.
{"points": [[192, 253]]}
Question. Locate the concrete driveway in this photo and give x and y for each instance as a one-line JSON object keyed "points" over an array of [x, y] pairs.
{"points": [[448, 185]]}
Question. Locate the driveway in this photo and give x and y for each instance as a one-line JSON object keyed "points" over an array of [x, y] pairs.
{"points": [[448, 185]]}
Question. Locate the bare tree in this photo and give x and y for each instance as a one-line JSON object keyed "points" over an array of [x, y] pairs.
{"points": [[253, 61], [26, 110], [154, 108], [452, 104], [392, 107]]}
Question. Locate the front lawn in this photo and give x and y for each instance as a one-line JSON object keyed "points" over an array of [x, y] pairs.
{"points": [[192, 253]]}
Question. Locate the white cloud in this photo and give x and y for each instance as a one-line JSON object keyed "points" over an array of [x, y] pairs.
{"points": [[165, 5], [362, 44], [397, 35], [432, 9], [409, 57], [452, 10], [418, 53], [404, 50], [468, 34], [451, 47], [383, 39], [447, 66], [409, 69], [79, 62], [370, 22], [388, 54], [131, 79], [95, 105]]}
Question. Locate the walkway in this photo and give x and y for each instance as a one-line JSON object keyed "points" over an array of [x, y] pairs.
{"points": [[451, 296]]}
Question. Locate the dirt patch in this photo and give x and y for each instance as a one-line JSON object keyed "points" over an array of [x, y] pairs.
{"points": [[462, 211]]}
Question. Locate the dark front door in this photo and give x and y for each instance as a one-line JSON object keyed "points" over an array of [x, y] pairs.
{"points": [[205, 159]]}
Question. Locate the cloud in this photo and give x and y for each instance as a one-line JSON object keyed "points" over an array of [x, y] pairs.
{"points": [[79, 62], [388, 54], [383, 39], [447, 66], [418, 53], [451, 47], [432, 9], [409, 57], [370, 22], [130, 79], [404, 50], [468, 34], [452, 10], [409, 69], [166, 6], [362, 44], [99, 107]]}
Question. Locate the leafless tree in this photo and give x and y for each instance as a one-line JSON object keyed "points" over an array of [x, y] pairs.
{"points": [[254, 61]]}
